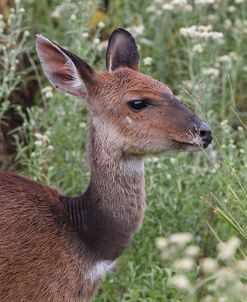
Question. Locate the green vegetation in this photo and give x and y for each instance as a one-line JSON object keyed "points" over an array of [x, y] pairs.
{"points": [[198, 48]]}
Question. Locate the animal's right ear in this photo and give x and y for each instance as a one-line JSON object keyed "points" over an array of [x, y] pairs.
{"points": [[122, 51], [63, 69]]}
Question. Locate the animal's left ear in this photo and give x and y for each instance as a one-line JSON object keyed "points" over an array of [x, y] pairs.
{"points": [[122, 51]]}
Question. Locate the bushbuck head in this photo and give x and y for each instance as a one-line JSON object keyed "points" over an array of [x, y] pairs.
{"points": [[135, 113]]}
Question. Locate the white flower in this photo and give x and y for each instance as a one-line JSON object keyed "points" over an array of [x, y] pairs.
{"points": [[201, 32], [180, 238], [50, 148], [185, 264], [85, 35], [38, 135], [101, 25], [137, 30], [222, 299], [179, 2], [26, 33], [239, 1], [197, 48], [158, 1], [148, 61], [56, 14], [102, 45], [212, 17], [231, 9], [161, 243], [169, 251], [224, 59], [208, 298], [151, 9], [208, 265], [41, 139], [241, 265], [38, 143], [228, 23], [192, 251], [177, 5], [96, 41], [82, 125], [167, 6], [180, 282], [212, 72], [73, 17], [224, 275], [204, 2], [173, 160], [188, 8], [48, 92], [227, 250], [155, 159], [233, 56]]}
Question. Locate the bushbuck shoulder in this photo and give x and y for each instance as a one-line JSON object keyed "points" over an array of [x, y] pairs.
{"points": [[57, 248]]}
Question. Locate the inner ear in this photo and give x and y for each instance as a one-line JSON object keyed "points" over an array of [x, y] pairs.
{"points": [[64, 70], [122, 51]]}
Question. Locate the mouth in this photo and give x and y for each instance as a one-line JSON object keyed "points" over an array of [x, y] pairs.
{"points": [[190, 146]]}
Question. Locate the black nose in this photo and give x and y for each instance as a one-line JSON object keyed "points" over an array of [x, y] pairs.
{"points": [[205, 134]]}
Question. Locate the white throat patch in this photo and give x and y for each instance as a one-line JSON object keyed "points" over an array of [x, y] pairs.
{"points": [[100, 269], [133, 165]]}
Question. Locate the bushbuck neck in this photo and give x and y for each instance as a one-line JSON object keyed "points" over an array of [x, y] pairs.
{"points": [[56, 248], [108, 213]]}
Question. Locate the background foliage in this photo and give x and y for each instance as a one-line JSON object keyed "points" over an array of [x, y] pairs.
{"points": [[196, 47]]}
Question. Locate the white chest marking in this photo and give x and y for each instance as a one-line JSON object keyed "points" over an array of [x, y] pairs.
{"points": [[100, 269]]}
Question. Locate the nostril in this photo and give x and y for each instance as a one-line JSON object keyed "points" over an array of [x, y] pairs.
{"points": [[204, 132]]}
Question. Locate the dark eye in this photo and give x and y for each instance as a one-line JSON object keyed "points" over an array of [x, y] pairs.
{"points": [[138, 105]]}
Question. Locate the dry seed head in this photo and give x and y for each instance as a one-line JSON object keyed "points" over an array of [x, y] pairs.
{"points": [[185, 264], [208, 265], [227, 250], [180, 282], [180, 239], [161, 243], [192, 251]]}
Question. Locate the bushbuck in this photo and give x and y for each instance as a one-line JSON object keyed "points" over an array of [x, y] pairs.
{"points": [[58, 248]]}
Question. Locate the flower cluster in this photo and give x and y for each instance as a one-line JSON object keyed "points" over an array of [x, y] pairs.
{"points": [[201, 32], [221, 63], [147, 61], [204, 2], [172, 6], [136, 30], [47, 91], [209, 277], [43, 140], [177, 5]]}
